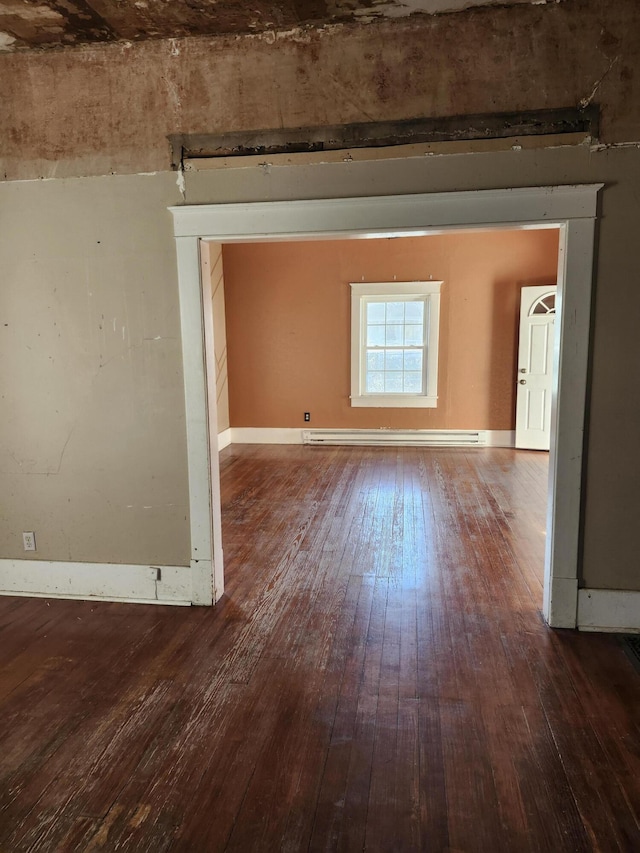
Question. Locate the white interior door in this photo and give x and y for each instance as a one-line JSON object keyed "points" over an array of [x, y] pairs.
{"points": [[535, 367]]}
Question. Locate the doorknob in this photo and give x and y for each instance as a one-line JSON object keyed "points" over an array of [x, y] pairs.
{"points": [[523, 381]]}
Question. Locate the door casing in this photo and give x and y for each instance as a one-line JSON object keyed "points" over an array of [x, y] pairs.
{"points": [[570, 208]]}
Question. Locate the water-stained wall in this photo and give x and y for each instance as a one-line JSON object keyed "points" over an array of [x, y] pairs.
{"points": [[104, 109]]}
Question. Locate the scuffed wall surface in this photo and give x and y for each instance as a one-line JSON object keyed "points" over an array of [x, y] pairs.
{"points": [[109, 109], [92, 434]]}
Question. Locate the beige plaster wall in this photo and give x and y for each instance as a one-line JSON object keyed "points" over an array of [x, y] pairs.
{"points": [[288, 321], [92, 433]]}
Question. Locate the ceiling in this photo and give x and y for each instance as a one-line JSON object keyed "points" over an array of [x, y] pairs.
{"points": [[38, 24]]}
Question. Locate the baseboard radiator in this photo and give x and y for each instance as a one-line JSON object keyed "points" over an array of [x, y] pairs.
{"points": [[399, 438]]}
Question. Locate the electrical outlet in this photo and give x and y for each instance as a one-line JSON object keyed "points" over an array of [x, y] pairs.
{"points": [[307, 416], [29, 540]]}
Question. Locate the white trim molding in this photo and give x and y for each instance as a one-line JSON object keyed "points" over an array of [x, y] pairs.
{"points": [[195, 322], [224, 439], [501, 437], [571, 208], [615, 610], [384, 216], [265, 435], [560, 599], [100, 581]]}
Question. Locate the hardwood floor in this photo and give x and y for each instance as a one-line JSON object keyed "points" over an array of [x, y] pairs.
{"points": [[378, 677]]}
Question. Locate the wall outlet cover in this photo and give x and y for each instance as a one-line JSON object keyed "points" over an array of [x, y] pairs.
{"points": [[29, 540]]}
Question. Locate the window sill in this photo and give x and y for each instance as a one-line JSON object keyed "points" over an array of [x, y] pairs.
{"points": [[394, 401]]}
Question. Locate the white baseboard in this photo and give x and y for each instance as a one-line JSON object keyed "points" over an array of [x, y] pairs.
{"points": [[560, 602], [224, 439], [500, 438], [99, 581], [265, 435], [614, 610], [281, 435]]}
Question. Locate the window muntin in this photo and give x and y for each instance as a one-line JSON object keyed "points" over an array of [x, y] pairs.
{"points": [[544, 305], [395, 343]]}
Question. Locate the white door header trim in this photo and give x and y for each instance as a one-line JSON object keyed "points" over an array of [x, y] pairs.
{"points": [[382, 215]]}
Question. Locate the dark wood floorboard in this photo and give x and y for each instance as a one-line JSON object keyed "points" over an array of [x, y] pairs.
{"points": [[377, 677]]}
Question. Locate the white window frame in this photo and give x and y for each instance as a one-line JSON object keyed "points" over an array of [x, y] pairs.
{"points": [[360, 293]]}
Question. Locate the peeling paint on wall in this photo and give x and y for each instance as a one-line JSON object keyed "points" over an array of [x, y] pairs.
{"points": [[52, 23], [584, 102], [6, 41]]}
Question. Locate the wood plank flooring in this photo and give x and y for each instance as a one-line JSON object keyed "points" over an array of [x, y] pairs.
{"points": [[378, 677]]}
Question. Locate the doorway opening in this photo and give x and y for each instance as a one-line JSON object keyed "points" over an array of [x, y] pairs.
{"points": [[285, 350], [571, 209]]}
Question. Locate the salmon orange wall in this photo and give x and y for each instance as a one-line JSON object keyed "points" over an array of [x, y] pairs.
{"points": [[288, 325]]}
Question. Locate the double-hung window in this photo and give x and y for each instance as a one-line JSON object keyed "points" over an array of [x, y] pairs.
{"points": [[394, 343]]}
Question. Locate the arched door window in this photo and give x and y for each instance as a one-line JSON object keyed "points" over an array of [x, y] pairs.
{"points": [[546, 304]]}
